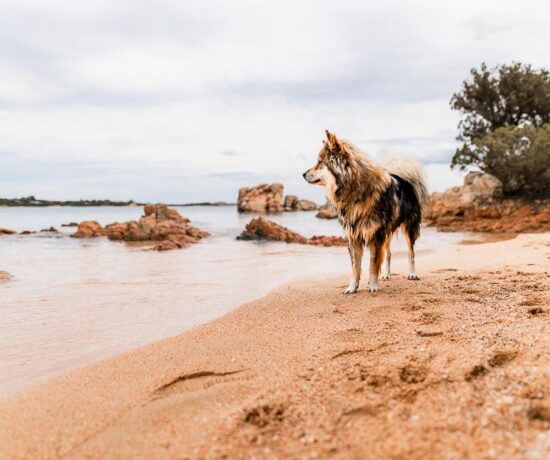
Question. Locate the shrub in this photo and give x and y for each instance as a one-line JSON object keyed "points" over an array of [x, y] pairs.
{"points": [[519, 157], [504, 128]]}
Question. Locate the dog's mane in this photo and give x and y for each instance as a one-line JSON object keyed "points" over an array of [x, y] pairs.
{"points": [[364, 180]]}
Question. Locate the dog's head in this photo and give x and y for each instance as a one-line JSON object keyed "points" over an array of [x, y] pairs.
{"points": [[331, 166]]}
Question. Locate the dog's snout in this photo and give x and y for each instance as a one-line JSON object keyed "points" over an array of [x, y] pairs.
{"points": [[304, 175]]}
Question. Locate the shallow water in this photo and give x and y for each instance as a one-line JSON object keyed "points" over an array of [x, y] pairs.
{"points": [[75, 301]]}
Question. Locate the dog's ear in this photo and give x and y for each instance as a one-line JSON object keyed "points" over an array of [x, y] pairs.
{"points": [[333, 142], [330, 137]]}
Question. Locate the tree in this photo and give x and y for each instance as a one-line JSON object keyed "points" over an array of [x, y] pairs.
{"points": [[519, 157], [513, 95]]}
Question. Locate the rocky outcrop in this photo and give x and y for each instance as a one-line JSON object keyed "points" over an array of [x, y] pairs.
{"points": [[89, 229], [479, 206], [261, 228], [293, 203], [327, 211], [7, 231], [164, 227], [328, 241], [70, 224], [5, 276], [478, 190], [49, 230], [262, 198]]}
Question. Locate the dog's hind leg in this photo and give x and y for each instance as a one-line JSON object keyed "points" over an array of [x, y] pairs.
{"points": [[376, 255], [356, 254], [411, 230], [386, 271]]}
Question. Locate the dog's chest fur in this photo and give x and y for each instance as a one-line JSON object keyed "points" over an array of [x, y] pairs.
{"points": [[369, 218]]}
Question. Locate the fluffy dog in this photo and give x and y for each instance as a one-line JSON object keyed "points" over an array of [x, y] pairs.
{"points": [[372, 203]]}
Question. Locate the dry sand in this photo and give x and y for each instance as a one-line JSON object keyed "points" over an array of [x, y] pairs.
{"points": [[456, 365]]}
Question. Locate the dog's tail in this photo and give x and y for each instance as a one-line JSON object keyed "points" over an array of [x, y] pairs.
{"points": [[413, 172]]}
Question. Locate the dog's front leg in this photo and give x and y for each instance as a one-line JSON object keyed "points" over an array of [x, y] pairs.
{"points": [[376, 253], [356, 255]]}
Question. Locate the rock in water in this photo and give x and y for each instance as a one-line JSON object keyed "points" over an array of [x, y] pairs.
{"points": [[327, 241], [327, 211], [6, 231], [160, 224], [5, 276], [49, 230], [89, 229], [262, 198], [261, 228], [293, 203]]}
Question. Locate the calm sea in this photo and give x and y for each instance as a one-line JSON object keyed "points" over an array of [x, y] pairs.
{"points": [[76, 301]]}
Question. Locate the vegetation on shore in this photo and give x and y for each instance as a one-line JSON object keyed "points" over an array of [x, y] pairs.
{"points": [[32, 201], [505, 128]]}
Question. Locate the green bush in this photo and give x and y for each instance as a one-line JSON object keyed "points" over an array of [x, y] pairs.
{"points": [[519, 157], [504, 128]]}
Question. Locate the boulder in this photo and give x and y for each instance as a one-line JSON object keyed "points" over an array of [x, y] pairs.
{"points": [[158, 224], [328, 241], [479, 192], [125, 231], [306, 205], [327, 211], [49, 230], [160, 213], [293, 203], [481, 188], [6, 231], [5, 276], [174, 242], [89, 229], [261, 228], [479, 206], [262, 198]]}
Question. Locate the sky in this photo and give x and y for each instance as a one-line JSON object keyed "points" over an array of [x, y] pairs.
{"points": [[185, 101]]}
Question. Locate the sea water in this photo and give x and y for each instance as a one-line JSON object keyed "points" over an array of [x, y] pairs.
{"points": [[76, 301]]}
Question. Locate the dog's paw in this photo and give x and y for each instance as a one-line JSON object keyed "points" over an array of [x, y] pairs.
{"points": [[374, 287], [351, 289], [413, 276], [385, 277]]}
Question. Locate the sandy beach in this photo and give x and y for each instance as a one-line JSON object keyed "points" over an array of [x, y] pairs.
{"points": [[455, 365]]}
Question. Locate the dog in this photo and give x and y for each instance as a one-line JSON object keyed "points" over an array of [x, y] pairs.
{"points": [[372, 203]]}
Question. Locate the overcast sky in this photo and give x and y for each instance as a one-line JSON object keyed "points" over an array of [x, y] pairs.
{"points": [[179, 101]]}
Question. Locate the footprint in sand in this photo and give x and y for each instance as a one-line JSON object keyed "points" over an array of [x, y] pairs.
{"points": [[265, 414], [185, 382]]}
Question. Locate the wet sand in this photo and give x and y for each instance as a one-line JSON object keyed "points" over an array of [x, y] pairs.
{"points": [[455, 365]]}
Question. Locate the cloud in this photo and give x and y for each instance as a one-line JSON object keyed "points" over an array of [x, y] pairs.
{"points": [[230, 153], [183, 101]]}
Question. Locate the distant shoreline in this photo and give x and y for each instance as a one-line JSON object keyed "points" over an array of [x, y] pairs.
{"points": [[32, 202]]}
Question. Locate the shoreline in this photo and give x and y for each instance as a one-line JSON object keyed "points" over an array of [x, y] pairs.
{"points": [[248, 379], [133, 205]]}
